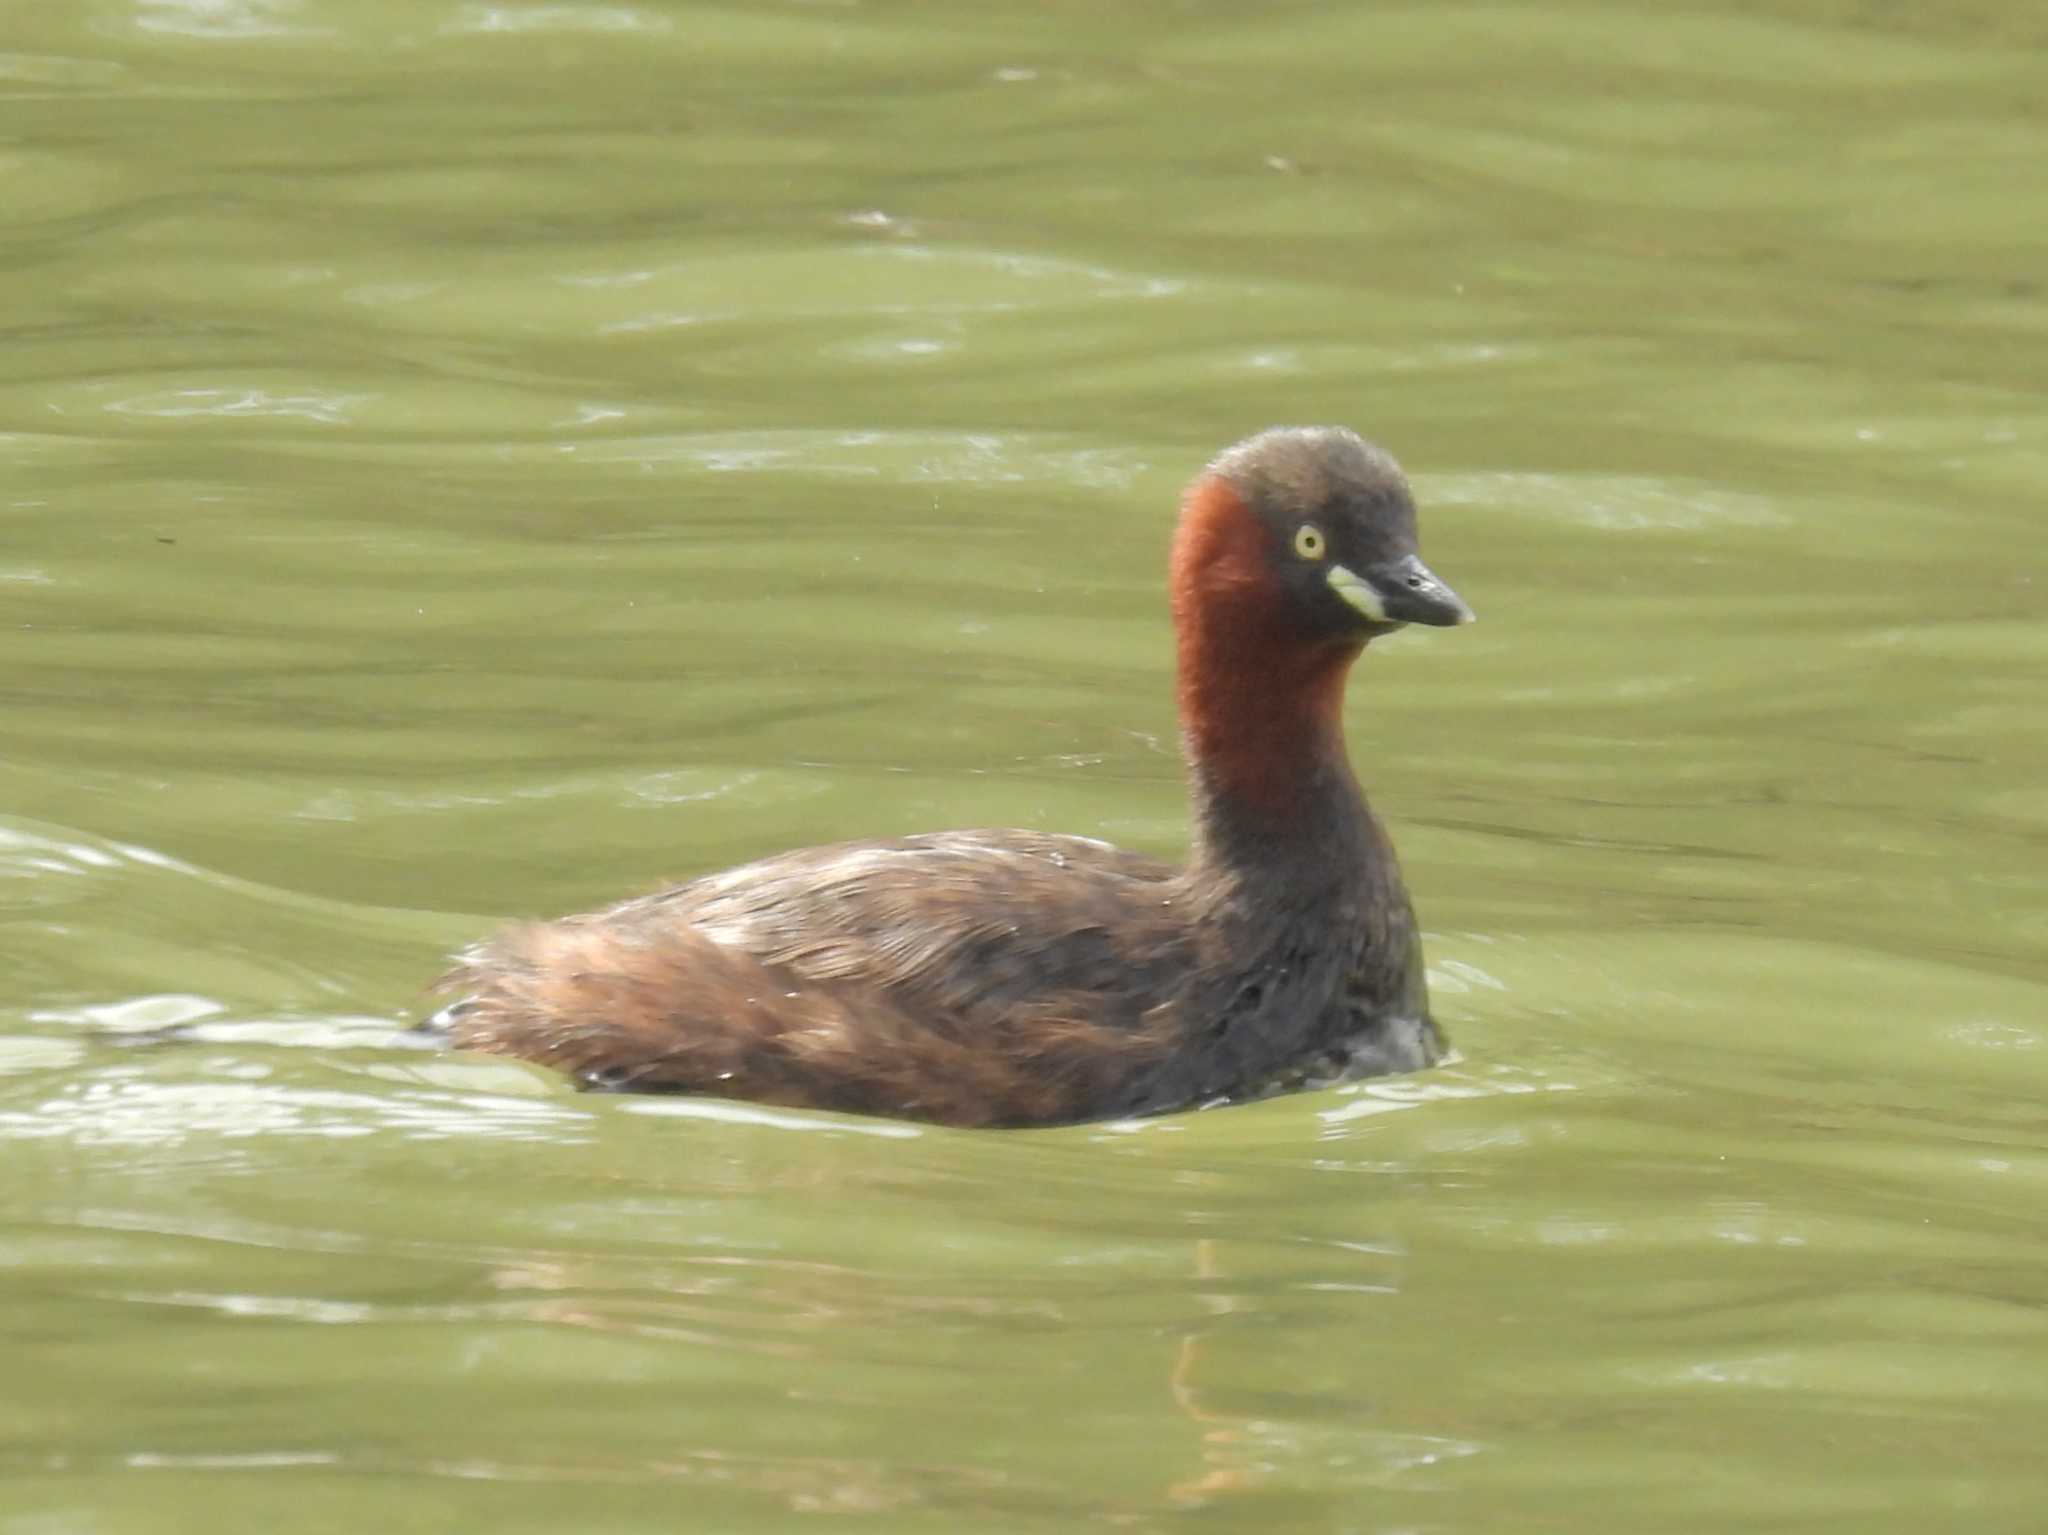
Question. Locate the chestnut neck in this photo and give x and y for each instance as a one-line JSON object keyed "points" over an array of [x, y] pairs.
{"points": [[1261, 705]]}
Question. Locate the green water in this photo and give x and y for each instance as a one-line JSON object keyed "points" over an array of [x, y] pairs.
{"points": [[465, 460]]}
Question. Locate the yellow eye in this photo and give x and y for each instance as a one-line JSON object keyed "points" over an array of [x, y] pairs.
{"points": [[1308, 542]]}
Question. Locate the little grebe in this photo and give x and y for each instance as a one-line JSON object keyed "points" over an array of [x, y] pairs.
{"points": [[1022, 978]]}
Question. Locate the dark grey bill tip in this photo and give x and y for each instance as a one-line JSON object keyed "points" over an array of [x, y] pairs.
{"points": [[1415, 594]]}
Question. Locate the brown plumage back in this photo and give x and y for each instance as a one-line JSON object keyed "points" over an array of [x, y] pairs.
{"points": [[969, 978]]}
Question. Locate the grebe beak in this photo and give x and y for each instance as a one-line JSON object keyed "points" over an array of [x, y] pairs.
{"points": [[1403, 591]]}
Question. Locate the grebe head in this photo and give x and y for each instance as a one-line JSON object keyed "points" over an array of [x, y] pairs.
{"points": [[1295, 548], [1323, 522]]}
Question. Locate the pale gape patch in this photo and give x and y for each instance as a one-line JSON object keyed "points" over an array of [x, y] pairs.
{"points": [[1357, 591]]}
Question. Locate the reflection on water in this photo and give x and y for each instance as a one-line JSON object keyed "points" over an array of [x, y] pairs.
{"points": [[465, 461]]}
